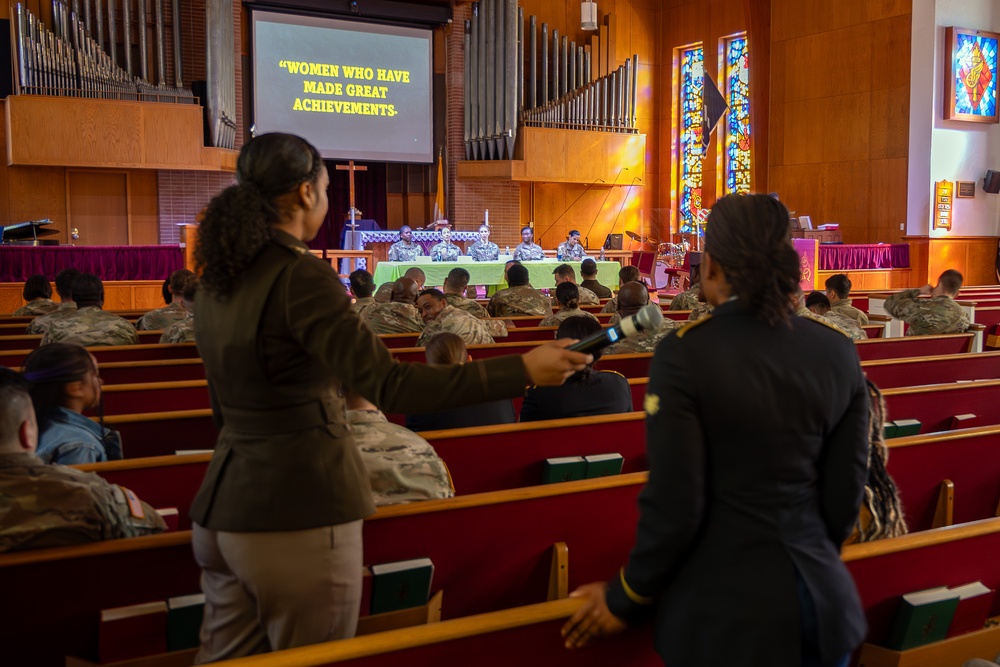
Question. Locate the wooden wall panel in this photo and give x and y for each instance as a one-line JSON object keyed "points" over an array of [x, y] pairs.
{"points": [[888, 199], [97, 202], [973, 256], [38, 192], [892, 279], [143, 203], [118, 295]]}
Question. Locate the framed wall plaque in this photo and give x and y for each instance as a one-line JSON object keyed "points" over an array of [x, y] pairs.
{"points": [[965, 189], [971, 75]]}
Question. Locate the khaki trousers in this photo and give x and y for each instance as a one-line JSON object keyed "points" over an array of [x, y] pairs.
{"points": [[275, 590]]}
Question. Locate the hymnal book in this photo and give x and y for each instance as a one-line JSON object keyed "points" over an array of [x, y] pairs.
{"points": [[603, 465], [888, 430], [189, 452], [401, 585], [133, 632], [564, 469], [974, 603], [184, 614], [905, 427], [171, 516], [965, 421], [922, 617]]}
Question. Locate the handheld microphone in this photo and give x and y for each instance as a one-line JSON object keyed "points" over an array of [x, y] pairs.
{"points": [[648, 318]]}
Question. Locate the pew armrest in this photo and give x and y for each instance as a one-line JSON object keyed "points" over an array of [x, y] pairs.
{"points": [[559, 574], [945, 510]]}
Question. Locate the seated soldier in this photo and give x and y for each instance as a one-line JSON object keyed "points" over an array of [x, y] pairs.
{"points": [[384, 293], [631, 298], [401, 465], [88, 325], [565, 273], [440, 317], [400, 315], [838, 291], [64, 288], [182, 331], [588, 269], [690, 298], [585, 393], [455, 286], [818, 304], [936, 315], [799, 302], [570, 249], [527, 250], [484, 250], [405, 250], [38, 294], [362, 287], [43, 505], [445, 250], [520, 298], [446, 349], [626, 274], [567, 296], [161, 318]]}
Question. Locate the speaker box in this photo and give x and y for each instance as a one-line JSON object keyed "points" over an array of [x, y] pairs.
{"points": [[991, 183], [613, 242]]}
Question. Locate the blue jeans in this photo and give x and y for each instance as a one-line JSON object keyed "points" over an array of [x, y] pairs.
{"points": [[810, 631]]}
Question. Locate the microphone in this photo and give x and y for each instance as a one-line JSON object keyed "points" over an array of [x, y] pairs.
{"points": [[627, 193], [613, 183], [648, 318]]}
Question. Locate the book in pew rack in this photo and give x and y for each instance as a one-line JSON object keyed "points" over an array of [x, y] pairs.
{"points": [[901, 428], [134, 631], [401, 585], [922, 617], [604, 465], [974, 603], [184, 615], [564, 469]]}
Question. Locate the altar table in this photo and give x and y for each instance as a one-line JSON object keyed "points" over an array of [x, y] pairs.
{"points": [[491, 273]]}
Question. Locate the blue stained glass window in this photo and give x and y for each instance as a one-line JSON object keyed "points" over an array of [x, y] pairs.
{"points": [[692, 83], [737, 149], [975, 72]]}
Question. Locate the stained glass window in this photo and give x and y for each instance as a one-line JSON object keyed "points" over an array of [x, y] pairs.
{"points": [[975, 69], [692, 81], [737, 149]]}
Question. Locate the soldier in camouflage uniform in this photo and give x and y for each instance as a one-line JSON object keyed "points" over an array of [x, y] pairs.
{"points": [[937, 315], [484, 250], [527, 250], [440, 317], [397, 316], [183, 330], [570, 249], [405, 250], [43, 505], [445, 251], [838, 289], [520, 298], [631, 298], [64, 287], [626, 274], [401, 465], [455, 286], [568, 297], [700, 310], [384, 293], [819, 304], [88, 325], [38, 294], [564, 273], [362, 286], [162, 318]]}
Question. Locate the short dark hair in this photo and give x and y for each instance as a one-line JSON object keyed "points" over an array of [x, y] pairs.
{"points": [[628, 274], [362, 284], [579, 327], [951, 281], [573, 232], [517, 275], [839, 284], [37, 287], [178, 279], [14, 403], [413, 272], [588, 267], [64, 283], [568, 294], [817, 298], [565, 271], [458, 278], [168, 296], [432, 292], [529, 229], [88, 290], [190, 289]]}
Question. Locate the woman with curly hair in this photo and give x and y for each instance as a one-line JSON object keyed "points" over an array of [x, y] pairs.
{"points": [[757, 437], [277, 522]]}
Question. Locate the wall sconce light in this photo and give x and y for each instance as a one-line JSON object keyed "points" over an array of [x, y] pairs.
{"points": [[588, 16]]}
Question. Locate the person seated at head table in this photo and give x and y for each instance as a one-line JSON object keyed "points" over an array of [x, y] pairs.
{"points": [[626, 274], [440, 317], [568, 298], [565, 273], [588, 269], [818, 304], [64, 382], [446, 349], [401, 465], [161, 318], [631, 298], [936, 315], [838, 291], [484, 250], [64, 288], [43, 505], [520, 298], [445, 250], [385, 289], [405, 250], [400, 315], [88, 325], [587, 392], [38, 294], [362, 287], [182, 331], [570, 249], [527, 250]]}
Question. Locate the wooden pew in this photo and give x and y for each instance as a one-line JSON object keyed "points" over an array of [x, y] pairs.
{"points": [[23, 341], [935, 404], [913, 346], [912, 371], [124, 399], [874, 330], [143, 352], [160, 433], [507, 534], [156, 370]]}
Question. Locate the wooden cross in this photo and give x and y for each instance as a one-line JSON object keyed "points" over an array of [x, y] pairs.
{"points": [[350, 168]]}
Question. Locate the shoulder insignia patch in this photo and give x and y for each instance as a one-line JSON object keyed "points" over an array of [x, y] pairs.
{"points": [[651, 404], [691, 325]]}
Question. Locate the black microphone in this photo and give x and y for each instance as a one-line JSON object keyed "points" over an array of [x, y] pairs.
{"points": [[648, 318]]}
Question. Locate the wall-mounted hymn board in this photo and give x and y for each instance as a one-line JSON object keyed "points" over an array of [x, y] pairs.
{"points": [[943, 193]]}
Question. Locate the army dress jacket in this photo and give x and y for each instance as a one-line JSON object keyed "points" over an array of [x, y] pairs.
{"points": [[277, 352]]}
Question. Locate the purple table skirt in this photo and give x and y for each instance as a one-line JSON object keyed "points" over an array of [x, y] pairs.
{"points": [[137, 262], [864, 256]]}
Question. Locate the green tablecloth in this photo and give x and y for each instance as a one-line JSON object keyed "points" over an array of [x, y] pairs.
{"points": [[491, 273]]}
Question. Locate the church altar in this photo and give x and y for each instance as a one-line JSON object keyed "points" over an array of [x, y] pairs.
{"points": [[378, 241], [491, 273]]}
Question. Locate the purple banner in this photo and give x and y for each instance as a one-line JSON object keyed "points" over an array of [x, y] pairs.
{"points": [[807, 262], [149, 262]]}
